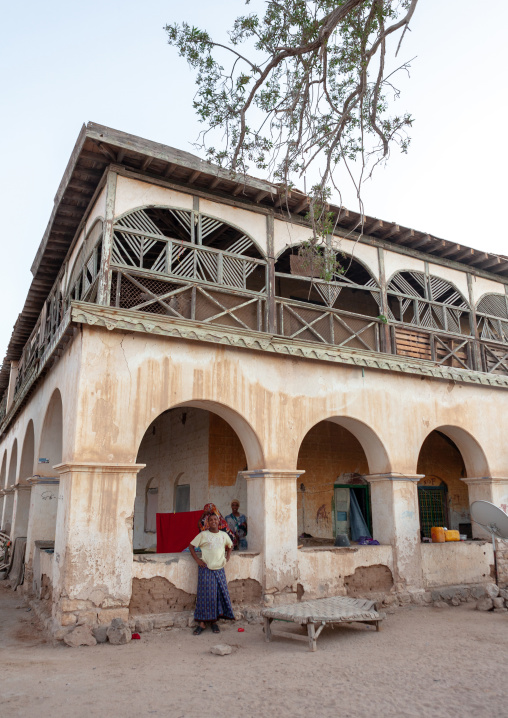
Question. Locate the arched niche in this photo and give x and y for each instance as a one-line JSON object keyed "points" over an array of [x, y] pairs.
{"points": [[336, 454], [13, 464], [26, 467], [352, 288], [443, 497], [3, 471], [195, 449], [51, 443]]}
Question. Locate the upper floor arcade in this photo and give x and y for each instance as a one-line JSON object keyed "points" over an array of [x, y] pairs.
{"points": [[145, 231]]}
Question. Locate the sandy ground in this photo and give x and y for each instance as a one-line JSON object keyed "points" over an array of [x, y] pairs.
{"points": [[425, 662]]}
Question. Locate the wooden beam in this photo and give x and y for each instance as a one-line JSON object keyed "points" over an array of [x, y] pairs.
{"points": [[490, 261], [450, 249], [466, 253], [93, 156], [87, 172], [119, 156], [303, 204], [390, 231], [282, 199], [169, 169], [260, 195], [407, 234], [239, 188], [194, 176], [215, 183], [147, 162], [378, 224], [80, 184], [106, 151]]}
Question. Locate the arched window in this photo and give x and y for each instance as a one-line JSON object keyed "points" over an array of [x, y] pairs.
{"points": [[492, 317], [312, 309], [82, 283], [187, 265], [427, 301]]}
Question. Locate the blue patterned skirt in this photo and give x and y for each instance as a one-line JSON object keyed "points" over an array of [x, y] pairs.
{"points": [[212, 601]]}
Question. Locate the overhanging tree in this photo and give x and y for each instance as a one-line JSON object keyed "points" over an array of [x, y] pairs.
{"points": [[310, 89]]}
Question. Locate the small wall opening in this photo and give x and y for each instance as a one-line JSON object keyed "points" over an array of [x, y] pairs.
{"points": [[442, 497], [192, 457], [26, 468]]}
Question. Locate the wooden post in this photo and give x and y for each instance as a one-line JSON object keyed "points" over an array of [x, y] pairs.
{"points": [[386, 345], [268, 629], [311, 632], [477, 362], [104, 287], [270, 290]]}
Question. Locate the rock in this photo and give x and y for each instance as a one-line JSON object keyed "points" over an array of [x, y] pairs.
{"points": [[119, 632], [181, 621], [492, 590], [441, 604], [478, 591], [503, 592], [221, 649], [164, 622], [100, 634], [456, 601], [144, 625], [390, 600], [500, 610], [498, 602], [80, 636], [484, 604]]}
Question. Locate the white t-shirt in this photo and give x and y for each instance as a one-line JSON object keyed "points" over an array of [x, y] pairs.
{"points": [[213, 548]]}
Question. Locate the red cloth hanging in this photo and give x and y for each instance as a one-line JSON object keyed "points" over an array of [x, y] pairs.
{"points": [[176, 531]]}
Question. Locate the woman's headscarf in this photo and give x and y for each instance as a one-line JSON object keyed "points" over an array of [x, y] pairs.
{"points": [[203, 524]]}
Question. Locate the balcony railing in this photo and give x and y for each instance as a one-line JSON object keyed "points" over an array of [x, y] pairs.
{"points": [[172, 278]]}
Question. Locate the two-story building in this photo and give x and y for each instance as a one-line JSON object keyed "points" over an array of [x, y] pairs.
{"points": [[173, 349]]}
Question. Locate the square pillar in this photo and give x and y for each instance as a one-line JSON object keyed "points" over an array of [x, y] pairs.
{"points": [[92, 572], [487, 488], [20, 510], [42, 515], [273, 530], [396, 521]]}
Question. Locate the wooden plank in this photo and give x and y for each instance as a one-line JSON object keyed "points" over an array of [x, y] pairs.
{"points": [[107, 241]]}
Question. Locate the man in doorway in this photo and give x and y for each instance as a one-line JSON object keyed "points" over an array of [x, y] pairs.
{"points": [[212, 601]]}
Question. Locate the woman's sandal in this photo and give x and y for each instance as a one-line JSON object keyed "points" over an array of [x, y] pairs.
{"points": [[215, 628], [198, 631]]}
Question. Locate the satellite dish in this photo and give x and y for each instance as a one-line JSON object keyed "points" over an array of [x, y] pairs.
{"points": [[492, 519]]}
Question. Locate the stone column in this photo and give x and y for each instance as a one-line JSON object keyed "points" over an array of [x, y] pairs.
{"points": [[7, 510], [273, 530], [20, 510], [92, 571], [42, 516], [396, 521], [487, 488]]}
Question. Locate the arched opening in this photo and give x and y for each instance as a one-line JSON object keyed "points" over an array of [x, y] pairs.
{"points": [[333, 495], [11, 480], [443, 499], [330, 309], [21, 507], [50, 448], [193, 456], [3, 483], [26, 468]]}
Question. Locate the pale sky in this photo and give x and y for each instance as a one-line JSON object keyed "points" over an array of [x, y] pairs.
{"points": [[64, 63]]}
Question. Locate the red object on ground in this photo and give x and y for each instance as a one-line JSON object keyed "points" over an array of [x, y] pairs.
{"points": [[176, 531], [241, 630], [135, 635]]}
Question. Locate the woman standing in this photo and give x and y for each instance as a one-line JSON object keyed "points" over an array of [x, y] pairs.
{"points": [[212, 510], [237, 522], [212, 601]]}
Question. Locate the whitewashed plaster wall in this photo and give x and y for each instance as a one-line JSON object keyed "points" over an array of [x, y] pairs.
{"points": [[132, 193], [456, 562]]}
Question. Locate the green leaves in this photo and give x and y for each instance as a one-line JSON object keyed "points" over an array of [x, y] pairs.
{"points": [[309, 90]]}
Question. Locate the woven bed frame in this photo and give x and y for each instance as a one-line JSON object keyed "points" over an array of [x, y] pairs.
{"points": [[317, 614]]}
